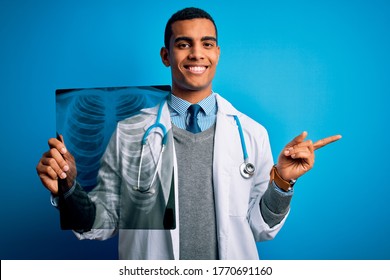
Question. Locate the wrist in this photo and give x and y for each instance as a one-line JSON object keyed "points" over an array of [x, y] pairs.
{"points": [[281, 173], [280, 182]]}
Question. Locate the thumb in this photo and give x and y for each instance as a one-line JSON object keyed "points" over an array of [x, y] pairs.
{"points": [[299, 139], [60, 137]]}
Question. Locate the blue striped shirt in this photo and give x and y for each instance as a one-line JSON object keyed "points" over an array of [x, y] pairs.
{"points": [[206, 117]]}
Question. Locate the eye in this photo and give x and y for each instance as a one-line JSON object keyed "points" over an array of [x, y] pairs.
{"points": [[208, 45], [183, 45]]}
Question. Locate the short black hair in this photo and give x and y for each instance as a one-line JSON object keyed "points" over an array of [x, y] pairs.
{"points": [[185, 14]]}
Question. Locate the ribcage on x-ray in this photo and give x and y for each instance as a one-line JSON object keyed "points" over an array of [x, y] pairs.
{"points": [[89, 118], [85, 132]]}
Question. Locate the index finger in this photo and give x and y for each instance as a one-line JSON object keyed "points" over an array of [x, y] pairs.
{"points": [[323, 142], [57, 143]]}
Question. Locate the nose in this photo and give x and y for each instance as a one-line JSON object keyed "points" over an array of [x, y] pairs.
{"points": [[196, 52]]}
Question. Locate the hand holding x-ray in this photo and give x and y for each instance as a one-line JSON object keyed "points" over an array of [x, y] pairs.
{"points": [[57, 164]]}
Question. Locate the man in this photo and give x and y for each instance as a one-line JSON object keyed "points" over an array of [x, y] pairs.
{"points": [[221, 213]]}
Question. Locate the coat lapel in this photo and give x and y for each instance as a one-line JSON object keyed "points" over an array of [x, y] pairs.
{"points": [[226, 151], [168, 160]]}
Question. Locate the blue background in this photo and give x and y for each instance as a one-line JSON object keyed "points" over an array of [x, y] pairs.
{"points": [[320, 66]]}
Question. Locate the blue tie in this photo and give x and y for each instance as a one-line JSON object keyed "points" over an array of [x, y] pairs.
{"points": [[193, 111]]}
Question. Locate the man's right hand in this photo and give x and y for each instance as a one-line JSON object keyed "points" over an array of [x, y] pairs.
{"points": [[55, 164]]}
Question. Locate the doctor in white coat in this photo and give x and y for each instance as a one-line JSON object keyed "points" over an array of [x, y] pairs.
{"points": [[244, 207], [237, 199]]}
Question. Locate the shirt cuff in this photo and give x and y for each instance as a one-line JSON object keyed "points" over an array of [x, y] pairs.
{"points": [[54, 198], [282, 192]]}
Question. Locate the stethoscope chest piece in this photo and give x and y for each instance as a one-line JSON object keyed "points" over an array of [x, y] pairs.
{"points": [[247, 170]]}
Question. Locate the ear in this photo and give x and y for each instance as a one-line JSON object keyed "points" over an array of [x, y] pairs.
{"points": [[219, 53], [164, 53]]}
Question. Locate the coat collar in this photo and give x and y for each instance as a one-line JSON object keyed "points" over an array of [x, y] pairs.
{"points": [[224, 107]]}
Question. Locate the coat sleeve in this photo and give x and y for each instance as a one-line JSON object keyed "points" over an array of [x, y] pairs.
{"points": [[106, 195], [262, 230], [77, 211]]}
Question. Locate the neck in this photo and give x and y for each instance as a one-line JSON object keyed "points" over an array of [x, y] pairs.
{"points": [[192, 96]]}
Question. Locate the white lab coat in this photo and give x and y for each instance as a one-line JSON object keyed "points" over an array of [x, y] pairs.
{"points": [[239, 221]]}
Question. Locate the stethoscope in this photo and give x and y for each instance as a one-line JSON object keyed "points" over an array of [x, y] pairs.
{"points": [[246, 169]]}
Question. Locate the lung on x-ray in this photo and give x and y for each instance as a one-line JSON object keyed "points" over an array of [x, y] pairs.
{"points": [[87, 119]]}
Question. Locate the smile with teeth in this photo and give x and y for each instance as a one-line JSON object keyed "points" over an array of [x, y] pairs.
{"points": [[196, 69]]}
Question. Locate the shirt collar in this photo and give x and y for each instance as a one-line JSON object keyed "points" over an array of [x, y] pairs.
{"points": [[180, 105]]}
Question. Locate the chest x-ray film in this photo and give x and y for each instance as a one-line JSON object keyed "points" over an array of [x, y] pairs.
{"points": [[103, 130]]}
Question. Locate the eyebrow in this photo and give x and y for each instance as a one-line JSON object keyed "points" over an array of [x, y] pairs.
{"points": [[189, 39]]}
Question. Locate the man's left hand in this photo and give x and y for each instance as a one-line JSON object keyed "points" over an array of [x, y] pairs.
{"points": [[297, 156]]}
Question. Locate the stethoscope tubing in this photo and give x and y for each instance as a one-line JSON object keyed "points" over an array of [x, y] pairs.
{"points": [[243, 145], [246, 169]]}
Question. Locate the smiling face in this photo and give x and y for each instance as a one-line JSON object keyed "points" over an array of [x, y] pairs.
{"points": [[193, 57]]}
